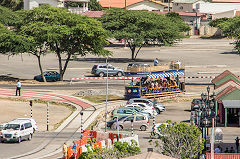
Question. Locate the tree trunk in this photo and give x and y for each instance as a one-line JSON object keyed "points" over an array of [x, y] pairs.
{"points": [[66, 63], [133, 52], [58, 52], [40, 67]]}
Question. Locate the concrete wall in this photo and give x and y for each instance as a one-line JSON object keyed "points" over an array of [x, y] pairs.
{"points": [[30, 4], [182, 7], [146, 5], [228, 14], [212, 8]]}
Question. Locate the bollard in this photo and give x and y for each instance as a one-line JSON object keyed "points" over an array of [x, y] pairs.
{"points": [[81, 115], [132, 126], [31, 108], [47, 116]]}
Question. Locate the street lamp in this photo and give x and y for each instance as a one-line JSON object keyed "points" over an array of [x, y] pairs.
{"points": [[106, 96], [81, 115]]}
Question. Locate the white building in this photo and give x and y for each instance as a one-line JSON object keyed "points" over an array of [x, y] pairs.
{"points": [[147, 5], [30, 4], [228, 14]]}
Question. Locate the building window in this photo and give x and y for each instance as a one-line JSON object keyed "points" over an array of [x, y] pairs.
{"points": [[181, 7]]}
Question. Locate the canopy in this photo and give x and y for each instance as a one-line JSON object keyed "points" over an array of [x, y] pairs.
{"points": [[166, 74], [231, 103]]}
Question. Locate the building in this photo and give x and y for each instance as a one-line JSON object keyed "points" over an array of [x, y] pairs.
{"points": [[117, 3], [147, 5], [30, 4], [226, 85]]}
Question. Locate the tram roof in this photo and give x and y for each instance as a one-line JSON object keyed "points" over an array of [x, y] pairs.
{"points": [[166, 73]]}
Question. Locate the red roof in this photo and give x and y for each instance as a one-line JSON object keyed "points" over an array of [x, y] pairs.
{"points": [[93, 14], [222, 75], [225, 91], [117, 3], [230, 80], [237, 13], [225, 1]]}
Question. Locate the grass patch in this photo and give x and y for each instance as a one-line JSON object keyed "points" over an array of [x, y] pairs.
{"points": [[102, 98], [178, 99], [94, 123]]}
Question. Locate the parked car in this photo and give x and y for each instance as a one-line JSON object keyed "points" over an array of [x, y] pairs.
{"points": [[33, 122], [195, 104], [50, 76], [147, 108], [123, 111], [111, 122], [158, 107], [140, 122], [17, 130], [101, 70], [1, 128], [149, 111], [155, 130]]}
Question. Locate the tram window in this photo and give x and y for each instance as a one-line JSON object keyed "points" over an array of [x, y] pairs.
{"points": [[120, 111]]}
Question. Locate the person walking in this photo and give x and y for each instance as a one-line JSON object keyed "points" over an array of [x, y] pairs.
{"points": [[155, 62], [237, 143], [74, 150], [18, 89], [65, 150]]}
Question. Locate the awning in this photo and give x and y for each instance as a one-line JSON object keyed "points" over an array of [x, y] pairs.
{"points": [[231, 103], [167, 74]]}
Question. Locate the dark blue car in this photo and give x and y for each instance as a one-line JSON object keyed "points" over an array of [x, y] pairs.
{"points": [[51, 76]]}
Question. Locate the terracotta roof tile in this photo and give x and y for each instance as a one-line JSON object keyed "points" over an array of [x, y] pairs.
{"points": [[221, 76], [117, 3], [237, 13], [93, 14]]}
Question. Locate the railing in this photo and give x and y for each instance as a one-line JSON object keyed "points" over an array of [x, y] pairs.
{"points": [[224, 156]]}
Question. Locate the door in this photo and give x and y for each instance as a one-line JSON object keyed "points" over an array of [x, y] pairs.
{"points": [[127, 124], [22, 132], [110, 70]]}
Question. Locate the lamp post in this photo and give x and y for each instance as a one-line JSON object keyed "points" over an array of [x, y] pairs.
{"points": [[106, 96], [81, 115]]}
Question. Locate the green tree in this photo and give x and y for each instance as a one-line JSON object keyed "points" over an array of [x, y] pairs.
{"points": [[8, 17], [230, 28], [179, 140], [141, 28], [95, 6], [12, 4], [64, 33]]}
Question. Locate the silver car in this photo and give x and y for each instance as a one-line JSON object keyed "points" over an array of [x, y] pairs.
{"points": [[101, 70]]}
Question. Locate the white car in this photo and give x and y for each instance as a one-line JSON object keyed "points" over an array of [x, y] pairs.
{"points": [[144, 108], [17, 130], [158, 107], [34, 124], [1, 128], [155, 132]]}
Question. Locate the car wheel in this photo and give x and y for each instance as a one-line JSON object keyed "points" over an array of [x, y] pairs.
{"points": [[19, 139], [143, 128], [157, 110], [119, 74], [115, 118], [101, 74], [30, 137]]}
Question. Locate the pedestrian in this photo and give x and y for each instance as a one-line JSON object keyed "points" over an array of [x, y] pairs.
{"points": [[217, 150], [237, 143], [232, 150], [65, 150], [155, 62], [74, 150], [226, 151], [18, 89]]}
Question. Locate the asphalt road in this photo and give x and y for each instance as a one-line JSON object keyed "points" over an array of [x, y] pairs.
{"points": [[201, 57]]}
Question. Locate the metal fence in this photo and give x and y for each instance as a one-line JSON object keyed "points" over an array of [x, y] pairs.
{"points": [[224, 156]]}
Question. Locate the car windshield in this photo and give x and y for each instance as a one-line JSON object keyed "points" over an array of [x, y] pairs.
{"points": [[12, 126], [121, 118]]}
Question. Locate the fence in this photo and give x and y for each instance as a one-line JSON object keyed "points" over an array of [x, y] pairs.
{"points": [[87, 134], [224, 156]]}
